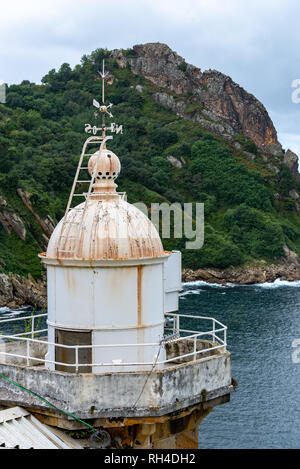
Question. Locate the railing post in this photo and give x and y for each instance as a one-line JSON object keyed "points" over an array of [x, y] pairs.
{"points": [[27, 352], [76, 358], [195, 348], [225, 338], [214, 329], [32, 327]]}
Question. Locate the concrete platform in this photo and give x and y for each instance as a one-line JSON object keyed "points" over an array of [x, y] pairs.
{"points": [[115, 395]]}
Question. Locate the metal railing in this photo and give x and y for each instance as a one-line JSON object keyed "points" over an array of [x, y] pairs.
{"points": [[31, 323], [179, 335]]}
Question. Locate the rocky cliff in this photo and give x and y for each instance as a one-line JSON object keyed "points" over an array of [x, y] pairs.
{"points": [[211, 98], [16, 290], [199, 101]]}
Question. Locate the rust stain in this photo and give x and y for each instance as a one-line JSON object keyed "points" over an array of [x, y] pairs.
{"points": [[112, 229], [139, 293], [68, 283]]}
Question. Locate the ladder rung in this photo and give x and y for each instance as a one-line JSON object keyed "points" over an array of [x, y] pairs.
{"points": [[84, 167], [71, 222], [86, 180], [78, 195], [69, 237]]}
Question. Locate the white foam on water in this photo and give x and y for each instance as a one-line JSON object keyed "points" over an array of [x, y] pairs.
{"points": [[7, 312], [276, 284], [12, 314], [199, 283], [19, 311], [190, 292], [279, 283]]}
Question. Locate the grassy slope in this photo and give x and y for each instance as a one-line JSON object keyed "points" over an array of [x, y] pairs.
{"points": [[41, 135]]}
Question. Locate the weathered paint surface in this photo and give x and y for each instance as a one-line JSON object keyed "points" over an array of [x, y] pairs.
{"points": [[120, 305], [114, 394], [108, 168], [172, 281], [112, 229]]}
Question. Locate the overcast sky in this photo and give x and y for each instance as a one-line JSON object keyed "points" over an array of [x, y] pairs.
{"points": [[257, 43]]}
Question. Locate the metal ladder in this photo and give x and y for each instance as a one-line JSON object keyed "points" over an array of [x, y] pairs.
{"points": [[65, 223]]}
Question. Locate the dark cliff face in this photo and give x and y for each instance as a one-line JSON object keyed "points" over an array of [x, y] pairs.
{"points": [[210, 98], [244, 112], [165, 68]]}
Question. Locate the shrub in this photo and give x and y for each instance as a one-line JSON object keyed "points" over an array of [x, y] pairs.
{"points": [[217, 251], [182, 67], [163, 137], [254, 232], [227, 178]]}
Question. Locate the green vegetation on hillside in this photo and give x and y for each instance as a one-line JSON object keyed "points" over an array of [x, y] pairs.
{"points": [[41, 136]]}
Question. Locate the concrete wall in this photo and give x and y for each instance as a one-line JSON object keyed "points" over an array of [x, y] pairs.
{"points": [[36, 350], [114, 394]]}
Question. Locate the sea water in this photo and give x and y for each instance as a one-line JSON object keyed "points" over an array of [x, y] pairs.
{"points": [[263, 321]]}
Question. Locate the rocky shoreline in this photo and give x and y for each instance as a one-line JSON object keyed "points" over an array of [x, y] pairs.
{"points": [[16, 290], [245, 275], [287, 268]]}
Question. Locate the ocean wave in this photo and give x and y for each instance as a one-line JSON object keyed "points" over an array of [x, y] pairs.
{"points": [[11, 314], [276, 284], [190, 292], [199, 283], [7, 312]]}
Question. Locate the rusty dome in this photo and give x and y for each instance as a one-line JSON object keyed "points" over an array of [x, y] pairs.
{"points": [[112, 229], [105, 226]]}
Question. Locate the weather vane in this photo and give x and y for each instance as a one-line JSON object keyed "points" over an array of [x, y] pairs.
{"points": [[103, 109]]}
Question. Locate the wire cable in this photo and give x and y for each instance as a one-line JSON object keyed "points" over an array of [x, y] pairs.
{"points": [[92, 429], [149, 374]]}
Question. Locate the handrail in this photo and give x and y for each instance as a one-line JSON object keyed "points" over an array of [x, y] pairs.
{"points": [[25, 317], [175, 327]]}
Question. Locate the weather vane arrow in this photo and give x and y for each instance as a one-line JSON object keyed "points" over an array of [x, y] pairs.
{"points": [[104, 110]]}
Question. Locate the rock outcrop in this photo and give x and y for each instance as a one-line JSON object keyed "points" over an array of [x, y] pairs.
{"points": [[159, 64], [291, 161], [175, 161], [288, 269], [10, 221], [46, 225], [210, 98], [16, 291]]}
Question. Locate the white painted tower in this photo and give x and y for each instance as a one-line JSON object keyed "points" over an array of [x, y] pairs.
{"points": [[105, 358], [107, 277]]}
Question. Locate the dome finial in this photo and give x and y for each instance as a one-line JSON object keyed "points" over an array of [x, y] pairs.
{"points": [[108, 169]]}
